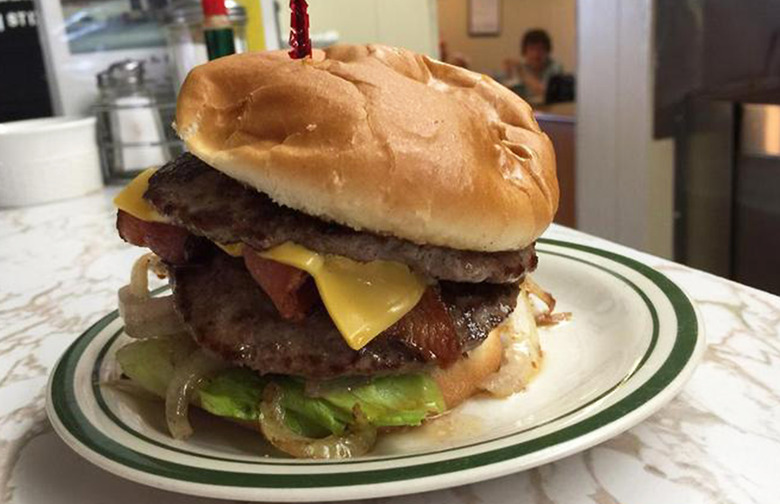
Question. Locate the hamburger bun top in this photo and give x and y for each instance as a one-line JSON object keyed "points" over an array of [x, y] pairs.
{"points": [[379, 139]]}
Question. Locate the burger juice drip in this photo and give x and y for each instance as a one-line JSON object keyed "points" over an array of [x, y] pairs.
{"points": [[300, 43], [218, 31]]}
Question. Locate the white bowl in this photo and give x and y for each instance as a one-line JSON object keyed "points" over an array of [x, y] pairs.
{"points": [[49, 159]]}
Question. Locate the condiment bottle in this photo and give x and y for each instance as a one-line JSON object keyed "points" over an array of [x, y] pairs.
{"points": [[217, 29]]}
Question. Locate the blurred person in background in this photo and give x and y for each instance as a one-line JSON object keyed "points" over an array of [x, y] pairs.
{"points": [[529, 76], [457, 59]]}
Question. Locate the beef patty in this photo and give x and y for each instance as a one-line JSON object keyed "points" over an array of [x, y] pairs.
{"points": [[229, 314], [211, 204]]}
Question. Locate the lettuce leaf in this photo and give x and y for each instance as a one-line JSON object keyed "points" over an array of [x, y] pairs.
{"points": [[151, 362], [316, 410], [304, 426], [237, 393], [234, 393], [391, 401]]}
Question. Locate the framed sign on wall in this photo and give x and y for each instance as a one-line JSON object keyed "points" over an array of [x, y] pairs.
{"points": [[484, 18]]}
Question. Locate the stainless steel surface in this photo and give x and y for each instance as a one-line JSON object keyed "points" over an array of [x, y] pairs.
{"points": [[704, 187], [760, 131], [757, 198], [717, 92], [727, 49], [757, 222], [128, 72]]}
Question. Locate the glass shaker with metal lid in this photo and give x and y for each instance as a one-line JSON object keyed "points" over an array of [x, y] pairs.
{"points": [[134, 129], [184, 31]]}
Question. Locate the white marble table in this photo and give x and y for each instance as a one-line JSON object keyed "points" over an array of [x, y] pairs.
{"points": [[717, 442]]}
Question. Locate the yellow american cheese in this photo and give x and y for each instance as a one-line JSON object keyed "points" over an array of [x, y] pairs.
{"points": [[131, 200], [232, 249], [363, 299]]}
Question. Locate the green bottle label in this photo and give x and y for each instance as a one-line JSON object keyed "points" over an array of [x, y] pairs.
{"points": [[219, 42]]}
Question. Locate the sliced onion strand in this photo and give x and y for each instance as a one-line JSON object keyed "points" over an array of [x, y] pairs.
{"points": [[181, 390], [358, 440], [545, 297], [547, 317], [146, 316]]}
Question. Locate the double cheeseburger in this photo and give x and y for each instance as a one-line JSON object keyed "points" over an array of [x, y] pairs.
{"points": [[348, 241]]}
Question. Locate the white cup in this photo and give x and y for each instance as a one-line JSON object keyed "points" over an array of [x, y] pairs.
{"points": [[49, 159]]}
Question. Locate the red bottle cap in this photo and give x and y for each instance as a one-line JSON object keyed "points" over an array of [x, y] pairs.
{"points": [[214, 8]]}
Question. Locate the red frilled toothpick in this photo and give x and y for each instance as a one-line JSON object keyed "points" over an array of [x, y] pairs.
{"points": [[300, 42]]}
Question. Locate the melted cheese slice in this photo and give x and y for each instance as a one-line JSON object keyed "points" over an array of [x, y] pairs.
{"points": [[231, 249], [131, 200], [363, 299]]}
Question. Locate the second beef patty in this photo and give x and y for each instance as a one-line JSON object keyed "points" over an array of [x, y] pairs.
{"points": [[228, 313]]}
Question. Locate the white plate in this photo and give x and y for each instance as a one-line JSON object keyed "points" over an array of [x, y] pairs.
{"points": [[634, 339]]}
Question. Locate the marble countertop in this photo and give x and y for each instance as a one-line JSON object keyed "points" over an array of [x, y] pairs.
{"points": [[717, 442]]}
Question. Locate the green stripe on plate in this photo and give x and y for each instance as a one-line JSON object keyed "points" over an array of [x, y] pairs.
{"points": [[68, 413]]}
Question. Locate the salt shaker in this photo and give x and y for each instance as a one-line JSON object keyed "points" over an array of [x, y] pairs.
{"points": [[131, 133]]}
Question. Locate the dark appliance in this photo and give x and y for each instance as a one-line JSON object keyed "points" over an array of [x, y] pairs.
{"points": [[717, 93]]}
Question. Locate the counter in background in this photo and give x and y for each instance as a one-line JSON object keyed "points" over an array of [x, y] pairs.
{"points": [[559, 122]]}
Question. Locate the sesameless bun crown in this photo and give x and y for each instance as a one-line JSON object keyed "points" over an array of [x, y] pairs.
{"points": [[378, 139]]}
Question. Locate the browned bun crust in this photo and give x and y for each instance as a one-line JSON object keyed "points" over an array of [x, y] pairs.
{"points": [[377, 138], [462, 380]]}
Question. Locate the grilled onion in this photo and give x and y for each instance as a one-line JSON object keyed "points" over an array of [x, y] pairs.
{"points": [[545, 317], [358, 440], [129, 387], [181, 390], [545, 297], [146, 316]]}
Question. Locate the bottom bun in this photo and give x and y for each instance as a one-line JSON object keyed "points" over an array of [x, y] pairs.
{"points": [[463, 379], [502, 365]]}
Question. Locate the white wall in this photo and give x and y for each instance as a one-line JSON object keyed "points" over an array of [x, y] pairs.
{"points": [[624, 177]]}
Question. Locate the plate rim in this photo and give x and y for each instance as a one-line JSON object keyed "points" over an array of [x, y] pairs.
{"points": [[655, 391]]}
